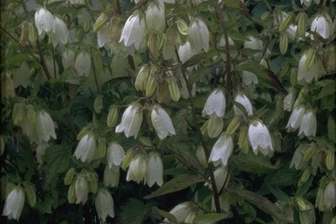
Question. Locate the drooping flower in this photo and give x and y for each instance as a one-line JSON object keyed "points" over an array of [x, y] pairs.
{"points": [[305, 75], [14, 204], [297, 160], [184, 212], [81, 189], [215, 104], [221, 175], [104, 204], [137, 168], [330, 195], [198, 35], [222, 149], [103, 35], [40, 151], [222, 44], [44, 21], [154, 171], [245, 102], [111, 176], [68, 58], [323, 25], [115, 154], [260, 138], [249, 78], [45, 126], [133, 31], [289, 100], [308, 125], [185, 52], [61, 33], [255, 44], [308, 2], [83, 64], [155, 17], [87, 148], [131, 121], [295, 119], [162, 122]]}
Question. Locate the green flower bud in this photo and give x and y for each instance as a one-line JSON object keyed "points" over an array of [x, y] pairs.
{"points": [[302, 21], [19, 111], [127, 160], [24, 33], [303, 217], [97, 62], [142, 78], [98, 103], [93, 182], [112, 116], [243, 140], [305, 176], [86, 25], [173, 89], [32, 33], [100, 22], [330, 159], [285, 23], [283, 43], [301, 203], [182, 27], [265, 16], [329, 58], [30, 194], [102, 147], [308, 154], [31, 112], [234, 125], [151, 86], [69, 176], [293, 77], [71, 194], [82, 133], [311, 57]]}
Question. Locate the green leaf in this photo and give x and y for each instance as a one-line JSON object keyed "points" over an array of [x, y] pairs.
{"points": [[57, 159], [254, 163], [178, 183], [210, 218], [283, 177], [328, 89], [165, 214], [263, 74], [331, 129], [279, 194], [134, 212], [263, 204]]}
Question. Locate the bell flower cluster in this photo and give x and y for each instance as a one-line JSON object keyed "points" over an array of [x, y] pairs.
{"points": [[54, 26]]}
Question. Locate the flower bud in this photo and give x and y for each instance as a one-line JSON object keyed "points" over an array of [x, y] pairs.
{"points": [[305, 176], [302, 19], [330, 159], [104, 204], [301, 203], [173, 89], [19, 111], [69, 176], [32, 33], [330, 195], [200, 154], [83, 64], [100, 22], [214, 126], [29, 190], [101, 147], [286, 22], [97, 62], [309, 153], [182, 27], [112, 116], [7, 86], [24, 33], [114, 31], [154, 43], [14, 203], [142, 78], [151, 85], [31, 112], [243, 140], [98, 103], [283, 43], [234, 125]]}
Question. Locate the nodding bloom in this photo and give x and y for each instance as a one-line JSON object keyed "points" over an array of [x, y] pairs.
{"points": [[305, 75], [215, 104], [14, 204], [104, 204], [83, 64], [222, 149], [155, 17], [137, 168], [115, 154], [198, 35], [308, 125], [323, 25], [154, 171], [45, 126], [162, 122], [131, 121], [44, 21], [260, 138], [133, 31], [87, 148], [81, 190], [245, 102], [295, 119]]}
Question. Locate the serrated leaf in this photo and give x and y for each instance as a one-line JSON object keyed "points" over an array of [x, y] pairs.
{"points": [[57, 159], [210, 218], [178, 183], [327, 89], [263, 204], [134, 212], [254, 163]]}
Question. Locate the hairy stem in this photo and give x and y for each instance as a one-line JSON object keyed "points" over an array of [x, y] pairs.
{"points": [[221, 17], [199, 133]]}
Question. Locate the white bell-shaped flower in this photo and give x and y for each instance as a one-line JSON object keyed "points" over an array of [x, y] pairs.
{"points": [[182, 211], [115, 154], [221, 175], [249, 78], [104, 204], [323, 25], [154, 171], [162, 122], [137, 168], [44, 21], [83, 64], [40, 151], [68, 58], [103, 35], [45, 126], [198, 35], [260, 138], [111, 176], [81, 190], [308, 125], [155, 17], [133, 31], [308, 2], [288, 101], [222, 149], [61, 34], [215, 104], [304, 75], [245, 102], [87, 148], [330, 195], [295, 119], [185, 52], [14, 204], [254, 44], [131, 121]]}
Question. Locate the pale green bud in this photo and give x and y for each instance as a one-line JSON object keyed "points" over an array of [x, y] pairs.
{"points": [[100, 22], [102, 147], [173, 89], [69, 176], [32, 33], [302, 22], [98, 103], [31, 112], [24, 33], [142, 77], [243, 140], [151, 86], [182, 26], [30, 194], [71, 193], [112, 116], [330, 159], [234, 125], [286, 22], [283, 43]]}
